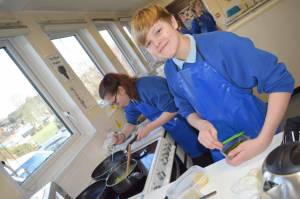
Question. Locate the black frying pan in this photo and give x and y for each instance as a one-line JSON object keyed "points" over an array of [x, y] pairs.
{"points": [[104, 168], [97, 190]]}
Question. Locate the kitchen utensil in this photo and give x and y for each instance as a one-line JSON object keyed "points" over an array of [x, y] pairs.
{"points": [[133, 139], [128, 158], [190, 179], [97, 190], [282, 168], [233, 137], [208, 195], [105, 167], [129, 148], [120, 182], [232, 142], [292, 130]]}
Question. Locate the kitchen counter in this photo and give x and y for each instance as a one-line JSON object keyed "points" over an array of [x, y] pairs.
{"points": [[223, 176]]}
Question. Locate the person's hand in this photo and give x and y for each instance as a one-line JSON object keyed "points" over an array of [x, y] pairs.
{"points": [[208, 135], [142, 132], [246, 150], [118, 138]]}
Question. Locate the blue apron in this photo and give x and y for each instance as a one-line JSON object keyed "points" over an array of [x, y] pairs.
{"points": [[179, 129], [229, 108]]}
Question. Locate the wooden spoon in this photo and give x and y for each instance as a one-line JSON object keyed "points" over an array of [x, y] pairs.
{"points": [[129, 154], [128, 159]]}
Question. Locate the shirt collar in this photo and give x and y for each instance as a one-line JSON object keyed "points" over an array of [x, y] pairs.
{"points": [[191, 58]]}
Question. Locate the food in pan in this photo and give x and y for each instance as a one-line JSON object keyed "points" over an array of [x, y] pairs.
{"points": [[123, 175]]}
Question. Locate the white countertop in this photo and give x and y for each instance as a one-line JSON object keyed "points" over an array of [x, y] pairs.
{"points": [[223, 176]]}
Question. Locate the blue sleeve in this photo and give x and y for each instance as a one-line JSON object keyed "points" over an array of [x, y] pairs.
{"points": [[195, 29], [185, 108], [155, 91], [247, 66], [132, 113]]}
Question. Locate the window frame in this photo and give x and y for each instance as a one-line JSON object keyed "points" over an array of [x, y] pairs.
{"points": [[131, 55], [32, 79], [91, 52], [60, 35], [57, 162], [121, 48], [35, 82], [150, 60]]}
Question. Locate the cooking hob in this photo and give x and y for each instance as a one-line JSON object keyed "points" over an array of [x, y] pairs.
{"points": [[156, 155]]}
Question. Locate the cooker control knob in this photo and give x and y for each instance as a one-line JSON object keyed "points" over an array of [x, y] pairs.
{"points": [[164, 160], [166, 148], [161, 175], [157, 187], [166, 154]]}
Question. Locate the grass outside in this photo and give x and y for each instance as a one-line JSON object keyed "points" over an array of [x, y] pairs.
{"points": [[45, 133]]}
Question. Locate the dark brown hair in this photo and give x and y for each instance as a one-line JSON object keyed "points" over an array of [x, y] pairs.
{"points": [[111, 82]]}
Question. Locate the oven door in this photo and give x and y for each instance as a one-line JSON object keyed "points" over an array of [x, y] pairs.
{"points": [[178, 169], [181, 163]]}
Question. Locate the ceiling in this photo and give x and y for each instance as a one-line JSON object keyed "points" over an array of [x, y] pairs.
{"points": [[72, 5]]}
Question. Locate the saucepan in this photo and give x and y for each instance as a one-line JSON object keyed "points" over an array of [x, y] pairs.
{"points": [[104, 168], [97, 190], [120, 181]]}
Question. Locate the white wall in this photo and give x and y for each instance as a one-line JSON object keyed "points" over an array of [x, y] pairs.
{"points": [[277, 30], [273, 27], [8, 188], [78, 175]]}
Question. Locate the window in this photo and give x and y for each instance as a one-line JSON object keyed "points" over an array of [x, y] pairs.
{"points": [[81, 63], [30, 130], [147, 56], [108, 38], [131, 38]]}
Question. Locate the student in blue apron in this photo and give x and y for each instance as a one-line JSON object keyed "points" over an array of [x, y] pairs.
{"points": [[203, 20], [181, 26], [151, 97], [211, 76]]}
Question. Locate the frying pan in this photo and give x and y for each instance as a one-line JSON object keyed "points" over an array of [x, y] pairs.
{"points": [[105, 167], [97, 190]]}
